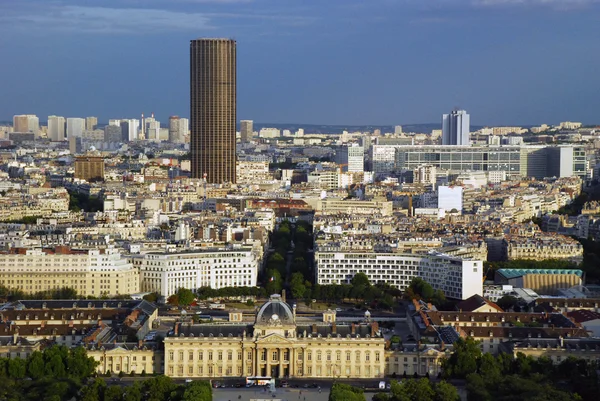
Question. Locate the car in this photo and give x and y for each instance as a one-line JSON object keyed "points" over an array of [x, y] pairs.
{"points": [[199, 312], [239, 385], [305, 385], [216, 384], [188, 380], [314, 385], [284, 384], [338, 309]]}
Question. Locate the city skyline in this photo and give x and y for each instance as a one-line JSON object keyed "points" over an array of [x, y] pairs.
{"points": [[340, 63]]}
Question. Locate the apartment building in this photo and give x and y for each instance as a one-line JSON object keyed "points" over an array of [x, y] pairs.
{"points": [[97, 272], [165, 273], [458, 278]]}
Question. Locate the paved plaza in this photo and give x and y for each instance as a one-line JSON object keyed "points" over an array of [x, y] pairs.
{"points": [[281, 394]]}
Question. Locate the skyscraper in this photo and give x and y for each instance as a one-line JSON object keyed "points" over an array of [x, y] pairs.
{"points": [[56, 128], [75, 127], [455, 128], [246, 128], [26, 123], [90, 123], [178, 129], [213, 119]]}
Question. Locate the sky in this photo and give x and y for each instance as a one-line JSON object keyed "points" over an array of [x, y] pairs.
{"points": [[343, 62]]}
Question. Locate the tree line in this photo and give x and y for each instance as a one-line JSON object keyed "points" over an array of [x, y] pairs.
{"points": [[504, 377]]}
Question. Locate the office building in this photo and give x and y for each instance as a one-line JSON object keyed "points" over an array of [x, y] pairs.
{"points": [[178, 129], [96, 272], [455, 128], [89, 168], [398, 130], [246, 130], [351, 158], [165, 273], [129, 130], [75, 127], [269, 133], [56, 128], [26, 123], [458, 278], [113, 134], [91, 123], [213, 91]]}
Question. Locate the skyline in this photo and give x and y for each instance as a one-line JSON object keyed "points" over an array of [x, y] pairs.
{"points": [[508, 62]]}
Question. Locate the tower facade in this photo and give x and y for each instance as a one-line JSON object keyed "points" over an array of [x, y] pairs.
{"points": [[213, 102], [246, 130], [455, 128]]}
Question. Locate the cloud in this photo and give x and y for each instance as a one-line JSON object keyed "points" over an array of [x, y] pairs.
{"points": [[556, 4], [105, 20]]}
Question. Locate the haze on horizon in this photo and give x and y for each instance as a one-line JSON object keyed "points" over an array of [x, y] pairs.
{"points": [[344, 62]]}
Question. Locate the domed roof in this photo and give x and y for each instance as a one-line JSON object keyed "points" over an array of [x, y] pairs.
{"points": [[275, 311]]}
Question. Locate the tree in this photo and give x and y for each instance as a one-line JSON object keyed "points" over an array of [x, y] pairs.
{"points": [[360, 279], [198, 391], [297, 286], [185, 296], [17, 368], [463, 360], [418, 390], [507, 302], [345, 392], [55, 367], [113, 393], [445, 391], [420, 288], [133, 393], [159, 388], [35, 365], [489, 369]]}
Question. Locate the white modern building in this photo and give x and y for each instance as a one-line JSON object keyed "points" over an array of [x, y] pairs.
{"points": [[178, 129], [450, 198], [165, 273], [458, 278], [129, 130], [56, 128], [456, 128], [269, 133], [353, 157], [75, 127]]}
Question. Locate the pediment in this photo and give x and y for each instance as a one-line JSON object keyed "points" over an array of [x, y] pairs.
{"points": [[274, 338]]}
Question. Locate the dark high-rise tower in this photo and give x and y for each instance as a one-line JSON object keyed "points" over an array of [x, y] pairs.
{"points": [[213, 109]]}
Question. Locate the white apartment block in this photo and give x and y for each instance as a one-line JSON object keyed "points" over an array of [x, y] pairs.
{"points": [[165, 273], [458, 278], [269, 133], [250, 172], [89, 272]]}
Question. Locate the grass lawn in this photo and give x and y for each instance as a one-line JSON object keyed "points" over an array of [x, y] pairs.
{"points": [[238, 305]]}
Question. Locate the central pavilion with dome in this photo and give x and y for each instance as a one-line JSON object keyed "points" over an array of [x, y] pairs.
{"points": [[275, 345]]}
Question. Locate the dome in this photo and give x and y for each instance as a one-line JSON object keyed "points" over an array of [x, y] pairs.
{"points": [[275, 311]]}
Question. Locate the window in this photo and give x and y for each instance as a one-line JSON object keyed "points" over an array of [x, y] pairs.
{"points": [[329, 356], [181, 355], [377, 357], [191, 355], [357, 356], [274, 355], [191, 370], [220, 356], [318, 355], [309, 356], [229, 355], [367, 356], [200, 355], [210, 355], [170, 355], [263, 355]]}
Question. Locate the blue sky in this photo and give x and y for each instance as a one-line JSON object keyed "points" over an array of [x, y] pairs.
{"points": [[308, 61]]}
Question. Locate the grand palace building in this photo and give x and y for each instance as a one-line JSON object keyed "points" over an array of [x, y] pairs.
{"points": [[276, 345]]}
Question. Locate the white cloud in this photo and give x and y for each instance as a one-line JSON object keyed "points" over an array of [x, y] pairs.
{"points": [[106, 20], [558, 4]]}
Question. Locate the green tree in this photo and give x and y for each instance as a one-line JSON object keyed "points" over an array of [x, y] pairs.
{"points": [[297, 285], [79, 364], [419, 389], [17, 368], [185, 296], [490, 370], [55, 367], [159, 388], [113, 393], [93, 391], [198, 391], [35, 365], [445, 391], [463, 360], [133, 393], [507, 302], [345, 392]]}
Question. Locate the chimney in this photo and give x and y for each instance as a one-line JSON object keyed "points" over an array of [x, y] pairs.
{"points": [[294, 311], [283, 295], [374, 329], [115, 341], [442, 346], [15, 338], [176, 329], [140, 343], [314, 328], [333, 328], [353, 329]]}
